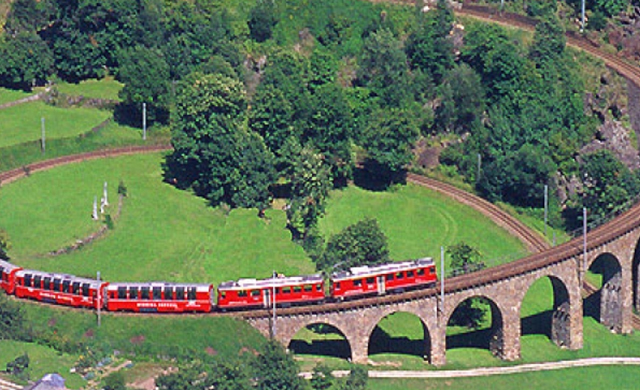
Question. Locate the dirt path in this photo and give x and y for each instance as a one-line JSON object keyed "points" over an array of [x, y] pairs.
{"points": [[488, 371]]}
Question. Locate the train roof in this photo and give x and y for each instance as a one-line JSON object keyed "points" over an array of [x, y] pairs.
{"points": [[281, 281], [198, 286], [381, 269], [8, 266], [92, 282]]}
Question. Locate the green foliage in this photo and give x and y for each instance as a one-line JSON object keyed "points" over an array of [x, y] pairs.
{"points": [[115, 381], [122, 188], [145, 75], [13, 325], [357, 378], [262, 19], [26, 61], [258, 173], [362, 243], [206, 135], [275, 369], [186, 378], [548, 41], [388, 140], [310, 185], [463, 255], [5, 244], [611, 7], [321, 377], [471, 312], [19, 366], [462, 101]]}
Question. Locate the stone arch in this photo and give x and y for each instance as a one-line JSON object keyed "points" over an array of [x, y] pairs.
{"points": [[423, 350], [326, 344], [635, 276], [562, 313], [492, 338], [609, 308], [286, 335]]}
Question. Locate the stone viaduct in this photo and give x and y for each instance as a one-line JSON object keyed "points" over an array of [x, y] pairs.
{"points": [[612, 249]]}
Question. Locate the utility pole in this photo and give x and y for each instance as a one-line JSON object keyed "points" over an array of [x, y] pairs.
{"points": [[442, 277], [584, 243], [144, 121], [43, 137], [546, 207], [99, 295], [582, 22]]}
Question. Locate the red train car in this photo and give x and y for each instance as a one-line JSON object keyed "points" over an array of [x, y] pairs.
{"points": [[370, 280], [8, 276], [251, 293], [159, 297], [61, 289]]}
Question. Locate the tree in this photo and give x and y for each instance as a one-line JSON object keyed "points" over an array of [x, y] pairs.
{"points": [[4, 245], [362, 243], [310, 185], [145, 75], [206, 136], [26, 61], [383, 67], [257, 173], [186, 378], [470, 312], [275, 369], [357, 379], [19, 366], [548, 41], [321, 377], [13, 325], [462, 100], [228, 376], [262, 19], [388, 140], [115, 381]]}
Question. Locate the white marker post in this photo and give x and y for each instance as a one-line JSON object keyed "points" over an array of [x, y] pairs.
{"points": [[144, 121]]}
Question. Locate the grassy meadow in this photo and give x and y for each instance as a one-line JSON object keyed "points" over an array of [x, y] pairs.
{"points": [[22, 123], [42, 360], [10, 95], [106, 88]]}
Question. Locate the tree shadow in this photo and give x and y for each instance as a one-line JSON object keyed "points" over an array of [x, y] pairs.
{"points": [[373, 178], [382, 342]]}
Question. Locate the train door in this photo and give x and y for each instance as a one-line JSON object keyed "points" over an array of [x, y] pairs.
{"points": [[381, 286], [266, 300]]}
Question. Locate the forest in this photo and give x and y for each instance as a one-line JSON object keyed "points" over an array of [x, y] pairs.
{"points": [[291, 99]]}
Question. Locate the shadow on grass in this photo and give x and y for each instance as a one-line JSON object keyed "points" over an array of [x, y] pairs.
{"points": [[537, 324], [382, 342], [473, 339], [591, 306], [329, 348]]}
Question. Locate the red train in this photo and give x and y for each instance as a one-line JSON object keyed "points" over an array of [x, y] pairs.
{"points": [[164, 297], [247, 293]]}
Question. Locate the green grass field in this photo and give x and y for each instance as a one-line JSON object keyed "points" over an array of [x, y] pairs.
{"points": [[42, 360], [106, 88], [592, 378], [10, 95], [22, 123], [418, 221]]}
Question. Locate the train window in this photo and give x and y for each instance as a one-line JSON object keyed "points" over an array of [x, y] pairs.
{"points": [[133, 292], [47, 283], [337, 285], [388, 277], [37, 281], [85, 289], [409, 274], [180, 293], [56, 284], [75, 288], [399, 275], [223, 294], [286, 290], [1, 270], [420, 271], [157, 293], [168, 293], [308, 288], [357, 282], [370, 280], [242, 293], [191, 293], [65, 286], [255, 293], [122, 293], [144, 293], [297, 289], [27, 280], [318, 287]]}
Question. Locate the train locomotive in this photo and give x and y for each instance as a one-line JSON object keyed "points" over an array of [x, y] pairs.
{"points": [[242, 294]]}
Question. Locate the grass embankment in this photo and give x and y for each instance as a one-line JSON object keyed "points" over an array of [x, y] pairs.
{"points": [[42, 360], [593, 378], [10, 95], [106, 88], [22, 123]]}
